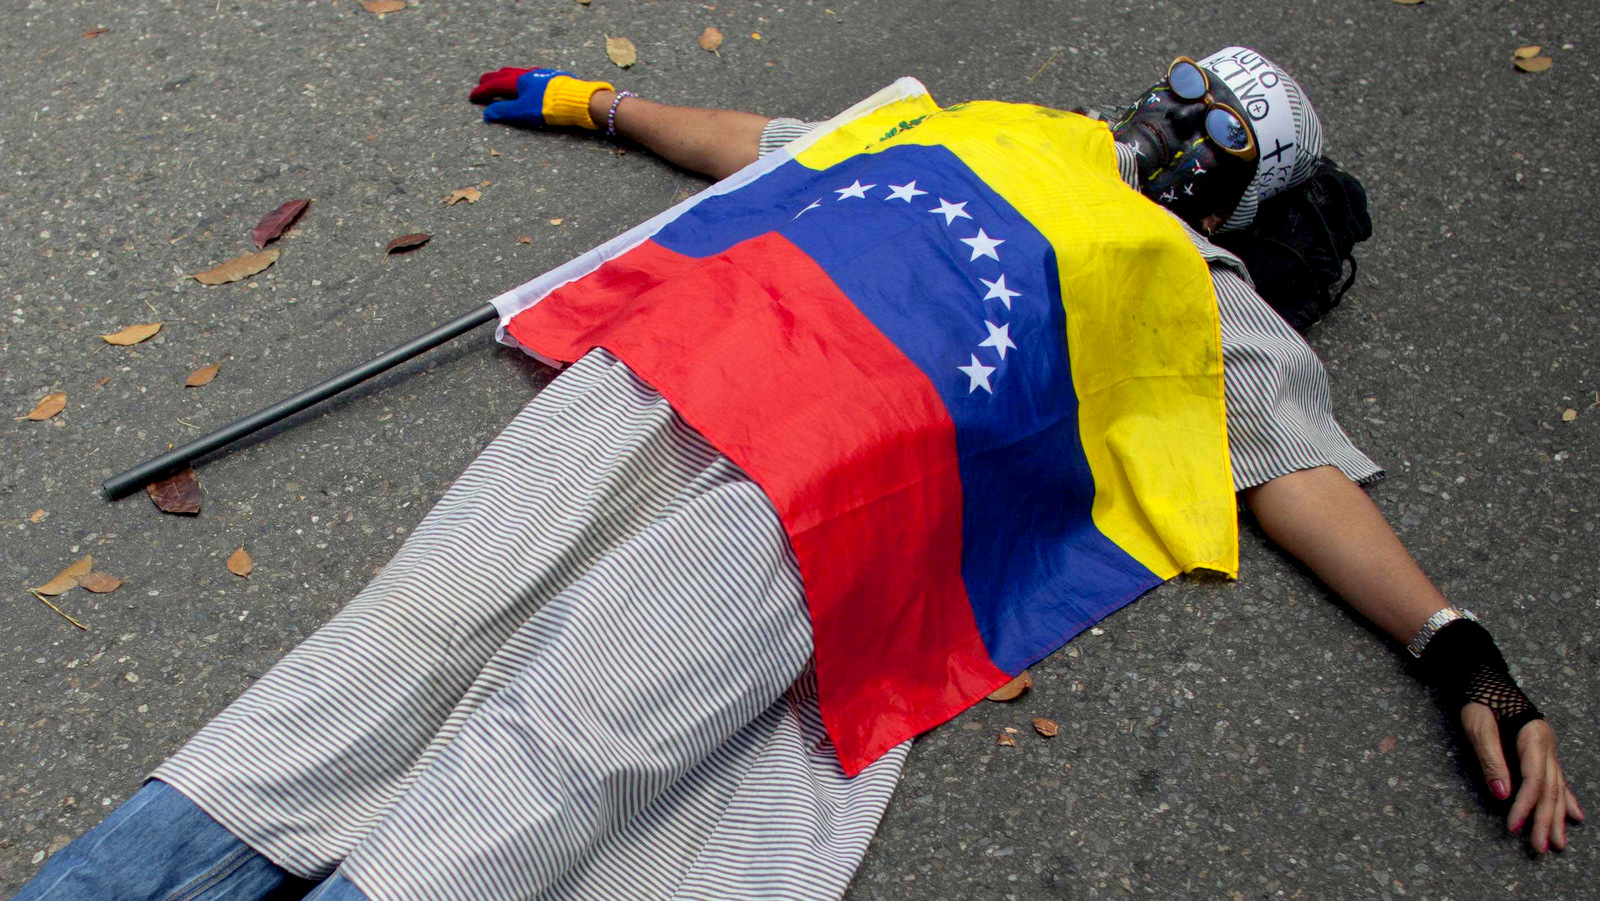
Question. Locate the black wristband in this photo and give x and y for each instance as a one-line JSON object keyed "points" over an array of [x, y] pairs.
{"points": [[1464, 665]]}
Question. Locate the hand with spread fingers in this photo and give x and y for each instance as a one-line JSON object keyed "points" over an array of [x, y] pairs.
{"points": [[1465, 666], [1544, 801], [534, 97]]}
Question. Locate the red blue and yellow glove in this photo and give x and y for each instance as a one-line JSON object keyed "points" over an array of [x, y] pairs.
{"points": [[536, 97]]}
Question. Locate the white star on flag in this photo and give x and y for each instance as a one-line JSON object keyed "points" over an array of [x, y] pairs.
{"points": [[998, 290], [999, 338], [977, 375], [983, 246], [814, 205], [904, 192], [951, 211], [856, 190]]}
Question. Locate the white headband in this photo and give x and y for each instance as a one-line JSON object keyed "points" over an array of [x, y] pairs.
{"points": [[1287, 130]]}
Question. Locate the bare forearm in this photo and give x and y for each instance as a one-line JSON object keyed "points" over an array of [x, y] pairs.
{"points": [[714, 142], [1330, 525]]}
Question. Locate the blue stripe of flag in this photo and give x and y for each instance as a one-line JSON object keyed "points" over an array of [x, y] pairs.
{"points": [[1036, 568]]}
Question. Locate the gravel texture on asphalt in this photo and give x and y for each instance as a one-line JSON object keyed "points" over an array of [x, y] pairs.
{"points": [[1246, 740]]}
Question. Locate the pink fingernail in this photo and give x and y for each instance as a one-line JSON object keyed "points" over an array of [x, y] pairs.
{"points": [[1499, 789], [1517, 826]]}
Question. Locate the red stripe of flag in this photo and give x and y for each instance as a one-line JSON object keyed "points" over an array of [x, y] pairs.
{"points": [[758, 350]]}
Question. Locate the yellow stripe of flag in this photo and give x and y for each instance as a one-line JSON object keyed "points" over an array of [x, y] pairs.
{"points": [[1142, 322]]}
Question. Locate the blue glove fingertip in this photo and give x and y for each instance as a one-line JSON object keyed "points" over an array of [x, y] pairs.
{"points": [[514, 112]]}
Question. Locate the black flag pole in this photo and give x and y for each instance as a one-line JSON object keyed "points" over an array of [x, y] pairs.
{"points": [[125, 483]]}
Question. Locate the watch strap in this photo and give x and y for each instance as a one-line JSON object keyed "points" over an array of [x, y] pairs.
{"points": [[1431, 628]]}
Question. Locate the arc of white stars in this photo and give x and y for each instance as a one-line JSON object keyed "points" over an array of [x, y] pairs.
{"points": [[904, 192], [856, 190], [977, 375], [814, 205], [951, 211], [999, 339], [983, 246], [998, 290]]}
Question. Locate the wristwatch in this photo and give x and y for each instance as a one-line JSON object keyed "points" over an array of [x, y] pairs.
{"points": [[1433, 625]]}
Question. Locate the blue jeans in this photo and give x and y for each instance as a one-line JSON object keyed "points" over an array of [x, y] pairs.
{"points": [[158, 846]]}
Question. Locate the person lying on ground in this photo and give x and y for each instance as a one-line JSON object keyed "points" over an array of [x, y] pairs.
{"points": [[587, 673]]}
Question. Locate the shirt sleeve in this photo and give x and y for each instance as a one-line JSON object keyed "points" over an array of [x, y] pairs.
{"points": [[1280, 413], [779, 132]]}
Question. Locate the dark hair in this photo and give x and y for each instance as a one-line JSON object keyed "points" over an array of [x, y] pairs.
{"points": [[1297, 246]]}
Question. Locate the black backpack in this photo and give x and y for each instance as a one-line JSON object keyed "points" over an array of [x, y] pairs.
{"points": [[1299, 242]]}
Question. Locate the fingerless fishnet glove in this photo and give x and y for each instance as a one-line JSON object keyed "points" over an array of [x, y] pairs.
{"points": [[1464, 665]]}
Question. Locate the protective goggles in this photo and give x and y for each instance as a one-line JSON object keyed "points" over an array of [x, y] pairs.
{"points": [[1224, 126]]}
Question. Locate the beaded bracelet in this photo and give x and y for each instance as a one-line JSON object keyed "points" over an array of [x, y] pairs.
{"points": [[611, 115]]}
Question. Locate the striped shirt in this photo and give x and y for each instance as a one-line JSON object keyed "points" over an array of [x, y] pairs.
{"points": [[585, 676]]}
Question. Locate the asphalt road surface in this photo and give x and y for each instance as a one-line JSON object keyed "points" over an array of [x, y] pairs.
{"points": [[1247, 740]]}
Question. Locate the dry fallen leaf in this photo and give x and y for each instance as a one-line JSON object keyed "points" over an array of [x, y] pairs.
{"points": [[524, 239], [383, 7], [202, 376], [133, 334], [1534, 64], [273, 224], [710, 40], [240, 564], [1014, 688], [48, 406], [95, 32], [583, 2], [1387, 744], [621, 52], [1528, 52], [557, 221], [470, 195], [1408, 2], [1569, 414], [406, 242], [179, 493], [1005, 741], [238, 267], [37, 515], [102, 381], [59, 612], [67, 579], [755, 35], [99, 583], [1047, 728]]}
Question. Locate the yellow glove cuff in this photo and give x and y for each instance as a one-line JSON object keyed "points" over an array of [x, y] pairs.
{"points": [[566, 101]]}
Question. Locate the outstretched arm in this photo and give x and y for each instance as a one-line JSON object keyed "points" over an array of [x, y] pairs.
{"points": [[1330, 525], [713, 142]]}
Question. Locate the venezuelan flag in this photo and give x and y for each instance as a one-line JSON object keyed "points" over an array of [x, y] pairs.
{"points": [[978, 376]]}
